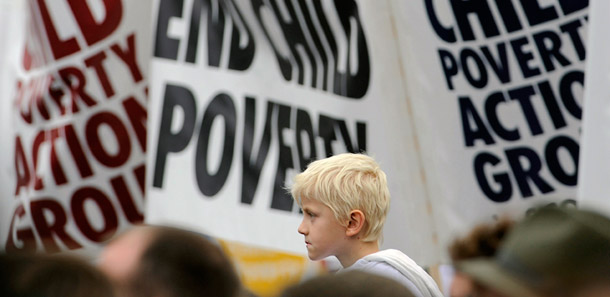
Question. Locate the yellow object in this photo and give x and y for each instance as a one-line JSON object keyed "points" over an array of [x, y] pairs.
{"points": [[267, 272]]}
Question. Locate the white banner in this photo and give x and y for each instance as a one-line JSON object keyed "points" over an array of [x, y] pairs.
{"points": [[12, 33], [496, 87], [472, 108], [593, 186], [244, 94], [75, 124]]}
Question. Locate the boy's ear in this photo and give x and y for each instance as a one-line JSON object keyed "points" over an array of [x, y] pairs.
{"points": [[356, 222]]}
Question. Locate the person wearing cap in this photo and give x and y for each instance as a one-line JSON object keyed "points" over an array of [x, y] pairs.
{"points": [[554, 252]]}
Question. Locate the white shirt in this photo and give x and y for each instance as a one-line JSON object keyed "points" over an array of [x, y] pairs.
{"points": [[398, 266], [385, 269]]}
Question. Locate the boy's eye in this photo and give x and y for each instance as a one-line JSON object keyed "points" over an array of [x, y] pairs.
{"points": [[311, 214]]}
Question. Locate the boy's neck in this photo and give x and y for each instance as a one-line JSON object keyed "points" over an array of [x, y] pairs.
{"points": [[358, 251]]}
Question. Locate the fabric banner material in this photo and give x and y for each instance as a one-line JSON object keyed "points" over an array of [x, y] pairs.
{"points": [[75, 125], [496, 88], [473, 109], [244, 94], [12, 28], [593, 187]]}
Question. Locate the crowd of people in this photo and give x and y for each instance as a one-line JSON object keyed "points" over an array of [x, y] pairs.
{"points": [[555, 251]]}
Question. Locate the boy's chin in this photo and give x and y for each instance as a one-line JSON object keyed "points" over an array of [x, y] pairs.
{"points": [[315, 257]]}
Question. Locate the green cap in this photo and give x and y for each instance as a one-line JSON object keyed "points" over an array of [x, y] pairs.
{"points": [[555, 249]]}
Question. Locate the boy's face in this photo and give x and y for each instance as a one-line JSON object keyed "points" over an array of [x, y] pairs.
{"points": [[324, 236]]}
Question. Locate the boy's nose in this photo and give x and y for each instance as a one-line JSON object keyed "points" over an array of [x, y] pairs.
{"points": [[302, 229]]}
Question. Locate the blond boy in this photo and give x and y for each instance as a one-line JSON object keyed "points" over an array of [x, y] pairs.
{"points": [[345, 200]]}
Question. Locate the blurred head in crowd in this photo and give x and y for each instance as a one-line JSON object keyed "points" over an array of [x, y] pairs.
{"points": [[353, 283], [10, 266], [481, 242], [168, 262], [35, 275], [554, 252]]}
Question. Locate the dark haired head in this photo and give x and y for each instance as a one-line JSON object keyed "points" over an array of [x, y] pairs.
{"points": [[182, 263], [353, 283], [170, 262], [35, 275], [482, 241]]}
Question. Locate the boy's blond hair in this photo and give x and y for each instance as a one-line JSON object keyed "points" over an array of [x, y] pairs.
{"points": [[347, 182]]}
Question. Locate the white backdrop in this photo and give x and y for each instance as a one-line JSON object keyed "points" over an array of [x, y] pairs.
{"points": [[593, 189], [497, 93], [375, 118], [472, 109], [75, 124]]}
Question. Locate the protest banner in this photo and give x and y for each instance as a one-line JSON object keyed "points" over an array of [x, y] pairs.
{"points": [[593, 189], [473, 109], [76, 124], [244, 94], [497, 91]]}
